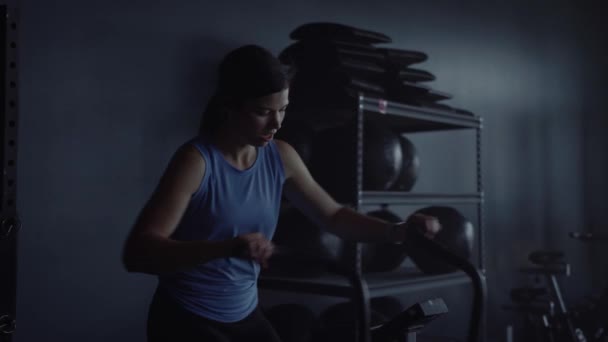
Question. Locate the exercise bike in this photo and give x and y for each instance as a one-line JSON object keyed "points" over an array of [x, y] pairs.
{"points": [[405, 326], [547, 317], [593, 317]]}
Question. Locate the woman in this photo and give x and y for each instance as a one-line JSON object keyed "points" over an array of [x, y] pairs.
{"points": [[207, 228]]}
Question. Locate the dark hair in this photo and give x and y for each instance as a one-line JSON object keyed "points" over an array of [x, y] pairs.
{"points": [[245, 73]]}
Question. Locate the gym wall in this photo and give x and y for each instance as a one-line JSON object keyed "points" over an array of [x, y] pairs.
{"points": [[595, 126], [109, 89]]}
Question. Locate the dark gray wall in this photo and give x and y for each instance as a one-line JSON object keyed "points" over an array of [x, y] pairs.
{"points": [[595, 127], [109, 89]]}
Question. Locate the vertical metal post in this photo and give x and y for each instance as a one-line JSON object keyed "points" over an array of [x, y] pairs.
{"points": [[574, 334], [480, 223], [359, 284], [358, 188], [480, 213], [9, 221]]}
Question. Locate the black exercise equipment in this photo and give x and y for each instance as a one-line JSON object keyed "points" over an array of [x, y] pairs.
{"points": [[311, 85], [343, 61], [409, 169], [367, 71], [531, 307], [334, 155], [545, 312], [592, 315], [382, 257], [547, 317], [587, 236], [323, 53], [416, 238], [337, 321], [319, 55], [387, 306], [340, 32], [293, 322], [399, 58], [405, 326], [456, 235], [304, 249], [413, 75], [299, 134], [413, 93]]}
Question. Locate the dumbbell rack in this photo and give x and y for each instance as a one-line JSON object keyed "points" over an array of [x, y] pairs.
{"points": [[361, 287]]}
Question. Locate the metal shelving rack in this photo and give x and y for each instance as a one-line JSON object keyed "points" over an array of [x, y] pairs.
{"points": [[409, 119], [361, 287]]}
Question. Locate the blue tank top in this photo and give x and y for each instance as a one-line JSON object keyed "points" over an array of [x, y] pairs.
{"points": [[229, 202]]}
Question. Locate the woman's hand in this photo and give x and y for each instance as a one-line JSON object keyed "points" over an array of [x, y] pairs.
{"points": [[253, 246]]}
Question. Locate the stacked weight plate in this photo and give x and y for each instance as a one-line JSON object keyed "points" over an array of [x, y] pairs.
{"points": [[336, 62]]}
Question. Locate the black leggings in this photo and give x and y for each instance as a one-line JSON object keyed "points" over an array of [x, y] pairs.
{"points": [[167, 322]]}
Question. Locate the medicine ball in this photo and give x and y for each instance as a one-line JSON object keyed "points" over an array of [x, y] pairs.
{"points": [[333, 162], [456, 235], [306, 249], [383, 257], [409, 169], [302, 247], [293, 322], [299, 135]]}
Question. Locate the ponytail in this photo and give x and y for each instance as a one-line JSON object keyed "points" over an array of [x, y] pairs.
{"points": [[212, 117]]}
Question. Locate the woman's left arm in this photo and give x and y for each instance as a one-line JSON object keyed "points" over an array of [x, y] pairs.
{"points": [[308, 196]]}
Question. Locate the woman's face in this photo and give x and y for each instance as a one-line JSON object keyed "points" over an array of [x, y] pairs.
{"points": [[259, 119]]}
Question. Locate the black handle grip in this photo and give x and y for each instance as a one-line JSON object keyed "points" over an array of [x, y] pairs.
{"points": [[479, 286]]}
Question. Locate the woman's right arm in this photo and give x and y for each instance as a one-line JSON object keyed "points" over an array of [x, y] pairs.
{"points": [[149, 248]]}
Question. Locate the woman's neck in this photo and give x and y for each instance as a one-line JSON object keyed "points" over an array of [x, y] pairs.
{"points": [[238, 153]]}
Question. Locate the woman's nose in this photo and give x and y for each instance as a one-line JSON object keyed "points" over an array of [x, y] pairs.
{"points": [[276, 120]]}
